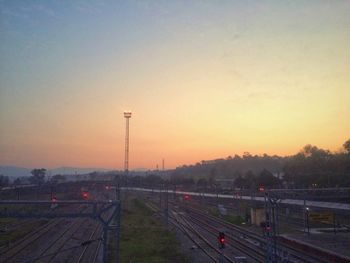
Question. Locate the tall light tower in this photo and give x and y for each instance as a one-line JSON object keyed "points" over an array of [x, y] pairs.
{"points": [[127, 116]]}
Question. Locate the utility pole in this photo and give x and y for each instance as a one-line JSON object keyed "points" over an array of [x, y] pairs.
{"points": [[271, 226], [160, 196], [166, 209], [174, 191], [51, 192], [307, 220], [217, 194], [221, 241], [267, 230], [18, 192], [119, 218]]}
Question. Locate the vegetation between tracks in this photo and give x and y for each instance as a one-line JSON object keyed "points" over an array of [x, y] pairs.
{"points": [[13, 235], [145, 239], [231, 218]]}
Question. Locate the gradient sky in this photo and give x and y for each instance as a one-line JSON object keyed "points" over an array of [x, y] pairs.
{"points": [[204, 80]]}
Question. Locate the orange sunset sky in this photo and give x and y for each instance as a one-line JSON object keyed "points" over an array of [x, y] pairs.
{"points": [[204, 80]]}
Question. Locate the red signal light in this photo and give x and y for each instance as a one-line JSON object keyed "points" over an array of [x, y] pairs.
{"points": [[268, 228], [221, 240], [54, 199], [85, 195], [261, 189], [187, 197]]}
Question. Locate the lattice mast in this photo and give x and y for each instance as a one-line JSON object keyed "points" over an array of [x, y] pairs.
{"points": [[127, 116]]}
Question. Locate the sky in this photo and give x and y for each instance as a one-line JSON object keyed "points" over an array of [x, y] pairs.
{"points": [[203, 79]]}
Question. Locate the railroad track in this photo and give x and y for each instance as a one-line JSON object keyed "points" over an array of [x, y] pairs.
{"points": [[235, 246], [23, 246], [249, 243], [207, 245], [90, 252], [85, 241], [251, 250], [9, 253], [296, 221], [295, 255], [46, 244], [200, 241], [15, 225], [176, 220], [51, 252]]}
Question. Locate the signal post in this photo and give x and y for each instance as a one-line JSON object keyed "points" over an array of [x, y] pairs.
{"points": [[221, 243]]}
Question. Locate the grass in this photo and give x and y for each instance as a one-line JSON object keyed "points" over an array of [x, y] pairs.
{"points": [[6, 221], [14, 235], [145, 239], [231, 218], [25, 208], [234, 219]]}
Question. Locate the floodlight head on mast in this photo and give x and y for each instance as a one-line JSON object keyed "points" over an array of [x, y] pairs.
{"points": [[127, 114]]}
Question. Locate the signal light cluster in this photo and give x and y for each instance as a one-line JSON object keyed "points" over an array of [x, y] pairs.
{"points": [[266, 226], [221, 239], [85, 195]]}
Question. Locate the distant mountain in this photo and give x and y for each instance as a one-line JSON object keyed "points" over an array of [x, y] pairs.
{"points": [[74, 170], [140, 170], [14, 171]]}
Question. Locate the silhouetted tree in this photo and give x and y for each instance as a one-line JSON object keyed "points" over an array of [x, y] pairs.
{"points": [[314, 167], [58, 178], [17, 181], [346, 146], [153, 180], [240, 182], [267, 179], [212, 176], [202, 183], [93, 176], [38, 176], [4, 180], [250, 180], [311, 167]]}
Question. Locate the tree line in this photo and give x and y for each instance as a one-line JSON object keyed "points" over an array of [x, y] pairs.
{"points": [[311, 167]]}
